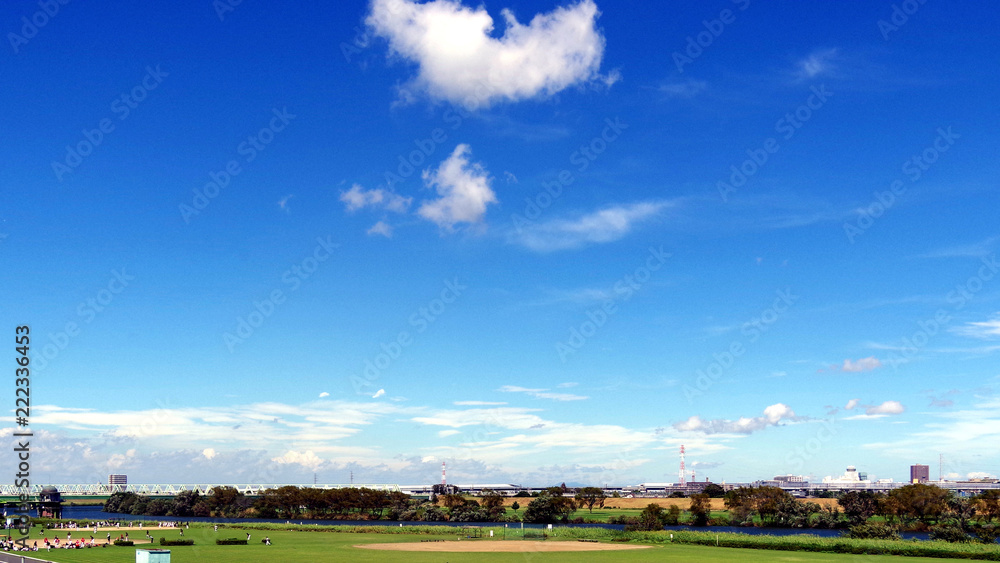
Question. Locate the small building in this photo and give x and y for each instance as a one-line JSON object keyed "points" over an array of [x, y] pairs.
{"points": [[49, 503], [152, 556], [920, 473]]}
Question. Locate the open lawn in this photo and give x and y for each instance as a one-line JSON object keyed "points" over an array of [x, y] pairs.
{"points": [[313, 546]]}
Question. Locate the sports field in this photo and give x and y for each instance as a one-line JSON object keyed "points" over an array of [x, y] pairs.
{"points": [[313, 546]]}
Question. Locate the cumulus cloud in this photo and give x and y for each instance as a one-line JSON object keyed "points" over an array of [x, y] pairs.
{"points": [[358, 198], [324, 394], [381, 228], [602, 226], [378, 394], [306, 459], [209, 453], [542, 393], [851, 404], [464, 190], [459, 60], [773, 416], [863, 364]]}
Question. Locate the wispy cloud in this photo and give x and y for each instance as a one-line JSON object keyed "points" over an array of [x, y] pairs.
{"points": [[602, 226], [981, 329], [864, 364], [359, 198], [972, 250], [817, 63], [542, 393], [682, 89]]}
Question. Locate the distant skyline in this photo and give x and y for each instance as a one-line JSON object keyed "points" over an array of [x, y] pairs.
{"points": [[541, 241]]}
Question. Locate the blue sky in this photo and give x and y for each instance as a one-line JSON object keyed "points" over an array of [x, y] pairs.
{"points": [[540, 241]]}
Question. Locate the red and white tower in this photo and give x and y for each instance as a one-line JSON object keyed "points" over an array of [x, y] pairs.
{"points": [[444, 482], [683, 476]]}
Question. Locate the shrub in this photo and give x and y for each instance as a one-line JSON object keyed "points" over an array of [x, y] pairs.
{"points": [[124, 543], [231, 541], [872, 532], [950, 533], [988, 533], [165, 541]]}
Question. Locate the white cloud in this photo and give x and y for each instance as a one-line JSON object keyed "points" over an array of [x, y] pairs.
{"points": [[888, 407], [982, 329], [358, 198], [381, 228], [458, 60], [816, 64], [209, 453], [773, 416], [324, 394], [306, 459], [446, 433], [542, 393], [464, 190], [851, 404], [863, 364], [602, 226], [685, 89], [478, 403], [378, 394]]}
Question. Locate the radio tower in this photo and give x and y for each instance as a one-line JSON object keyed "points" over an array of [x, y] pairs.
{"points": [[444, 482], [683, 476]]}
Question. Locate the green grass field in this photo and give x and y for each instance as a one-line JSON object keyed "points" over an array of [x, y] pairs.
{"points": [[313, 546]]}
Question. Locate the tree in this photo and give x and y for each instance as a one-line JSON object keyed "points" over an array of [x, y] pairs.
{"points": [[924, 502], [701, 509], [859, 506], [515, 506], [652, 518], [589, 496], [988, 504], [452, 501], [492, 503], [548, 509], [673, 515], [714, 491]]}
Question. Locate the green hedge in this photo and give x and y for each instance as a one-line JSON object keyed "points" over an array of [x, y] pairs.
{"points": [[230, 541], [124, 542], [165, 541]]}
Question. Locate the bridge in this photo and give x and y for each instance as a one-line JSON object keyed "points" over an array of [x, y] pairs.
{"points": [[169, 490]]}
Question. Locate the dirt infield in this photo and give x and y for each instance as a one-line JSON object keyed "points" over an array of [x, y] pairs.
{"points": [[512, 546]]}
